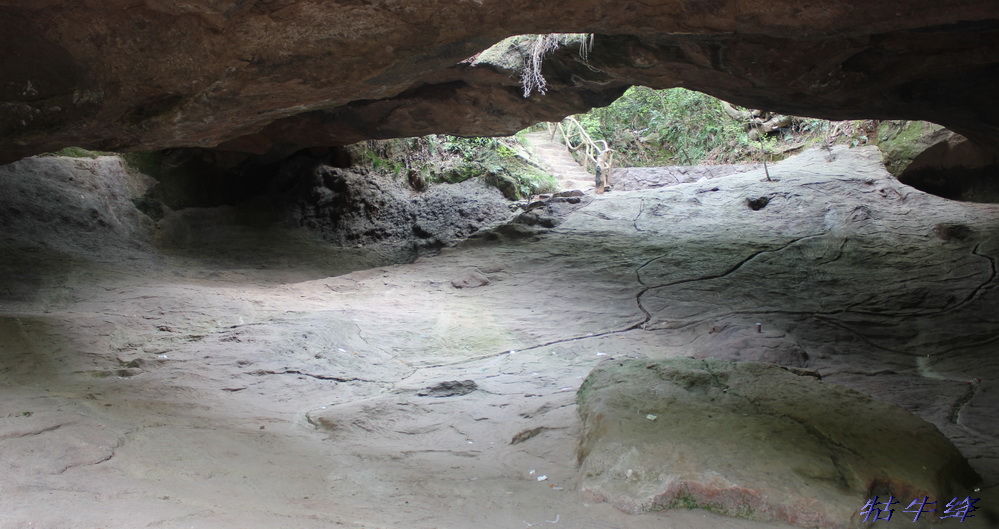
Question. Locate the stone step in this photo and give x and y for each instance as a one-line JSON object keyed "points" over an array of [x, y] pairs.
{"points": [[554, 157]]}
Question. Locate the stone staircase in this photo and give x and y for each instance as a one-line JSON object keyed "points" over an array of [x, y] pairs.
{"points": [[554, 157]]}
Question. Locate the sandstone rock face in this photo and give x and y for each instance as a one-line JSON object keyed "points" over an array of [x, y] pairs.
{"points": [[953, 167], [273, 76], [90, 196], [753, 440], [371, 214], [241, 384], [351, 208], [633, 178]]}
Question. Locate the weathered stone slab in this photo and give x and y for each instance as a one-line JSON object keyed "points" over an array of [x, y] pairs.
{"points": [[754, 440], [632, 178]]}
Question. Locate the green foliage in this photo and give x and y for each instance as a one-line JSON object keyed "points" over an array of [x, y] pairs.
{"points": [[379, 163], [665, 127], [681, 127], [685, 500], [526, 54], [496, 161], [505, 151], [467, 148], [902, 141], [817, 126], [441, 158], [146, 162], [524, 179], [75, 152]]}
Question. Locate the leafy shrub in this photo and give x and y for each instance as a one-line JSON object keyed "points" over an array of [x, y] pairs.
{"points": [[665, 127], [681, 127], [440, 158]]}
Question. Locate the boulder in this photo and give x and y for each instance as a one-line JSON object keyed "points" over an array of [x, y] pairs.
{"points": [[754, 440], [93, 197]]}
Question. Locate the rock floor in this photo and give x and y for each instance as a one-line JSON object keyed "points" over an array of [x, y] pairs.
{"points": [[233, 387]]}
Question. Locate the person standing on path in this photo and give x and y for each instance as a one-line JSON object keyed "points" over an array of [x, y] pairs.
{"points": [[604, 161]]}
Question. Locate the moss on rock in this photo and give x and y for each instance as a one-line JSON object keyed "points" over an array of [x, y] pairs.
{"points": [[901, 141]]}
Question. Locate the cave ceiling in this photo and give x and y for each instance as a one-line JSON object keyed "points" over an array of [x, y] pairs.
{"points": [[269, 77]]}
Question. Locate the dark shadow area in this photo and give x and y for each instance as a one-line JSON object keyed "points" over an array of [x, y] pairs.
{"points": [[208, 178], [955, 169], [956, 183]]}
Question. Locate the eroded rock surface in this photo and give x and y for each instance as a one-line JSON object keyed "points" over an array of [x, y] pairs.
{"points": [[753, 440], [264, 378], [634, 178], [350, 208], [952, 167], [92, 197], [277, 76]]}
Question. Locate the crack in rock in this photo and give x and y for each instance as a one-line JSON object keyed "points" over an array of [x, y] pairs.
{"points": [[113, 451], [972, 296], [21, 435], [735, 268], [527, 435], [262, 372], [641, 209], [638, 299], [840, 325], [978, 290], [962, 401]]}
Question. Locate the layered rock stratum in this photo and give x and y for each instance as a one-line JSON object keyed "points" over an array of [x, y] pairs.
{"points": [[269, 77]]}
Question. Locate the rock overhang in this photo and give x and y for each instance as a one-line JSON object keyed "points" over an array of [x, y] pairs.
{"points": [[271, 77]]}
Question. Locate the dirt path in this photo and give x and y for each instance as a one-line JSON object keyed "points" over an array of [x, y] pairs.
{"points": [[167, 391]]}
